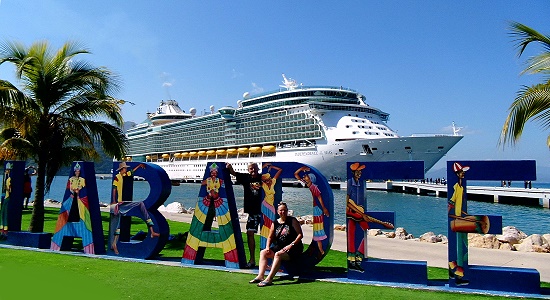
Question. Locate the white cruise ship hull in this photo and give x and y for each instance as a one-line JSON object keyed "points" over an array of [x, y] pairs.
{"points": [[330, 160]]}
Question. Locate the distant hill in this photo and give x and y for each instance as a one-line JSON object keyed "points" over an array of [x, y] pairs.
{"points": [[127, 125], [105, 163]]}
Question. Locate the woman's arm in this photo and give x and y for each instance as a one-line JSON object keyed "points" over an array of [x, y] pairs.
{"points": [[325, 210], [271, 236], [298, 229], [279, 170]]}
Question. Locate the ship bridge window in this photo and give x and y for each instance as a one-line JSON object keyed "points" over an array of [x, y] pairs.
{"points": [[440, 147], [407, 148], [367, 149], [340, 150]]}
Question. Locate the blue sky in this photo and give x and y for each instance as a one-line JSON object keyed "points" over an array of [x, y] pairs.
{"points": [[427, 63]]}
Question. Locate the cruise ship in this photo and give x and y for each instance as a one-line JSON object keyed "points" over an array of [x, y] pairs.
{"points": [[321, 126]]}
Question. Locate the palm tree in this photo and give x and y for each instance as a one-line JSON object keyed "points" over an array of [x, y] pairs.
{"points": [[532, 102], [52, 117]]}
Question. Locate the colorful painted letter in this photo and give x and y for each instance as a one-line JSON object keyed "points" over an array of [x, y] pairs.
{"points": [[359, 220], [79, 215], [123, 207], [216, 200], [461, 222]]}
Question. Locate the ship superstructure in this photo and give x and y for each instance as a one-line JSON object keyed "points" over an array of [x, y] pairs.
{"points": [[324, 127]]}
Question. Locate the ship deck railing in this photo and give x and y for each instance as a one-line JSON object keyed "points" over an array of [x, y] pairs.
{"points": [[304, 88]]}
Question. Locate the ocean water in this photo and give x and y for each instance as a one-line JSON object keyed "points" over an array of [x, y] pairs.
{"points": [[417, 214]]}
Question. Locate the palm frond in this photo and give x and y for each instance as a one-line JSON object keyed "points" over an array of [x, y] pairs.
{"points": [[532, 103], [523, 36]]}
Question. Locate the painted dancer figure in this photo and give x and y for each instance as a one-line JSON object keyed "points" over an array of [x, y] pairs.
{"points": [[319, 208], [251, 182], [356, 216], [121, 202], [74, 216], [268, 208], [456, 268], [79, 211], [6, 191], [213, 185]]}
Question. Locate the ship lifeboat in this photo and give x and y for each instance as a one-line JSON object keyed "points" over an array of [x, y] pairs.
{"points": [[243, 150], [193, 153], [201, 153], [210, 152], [148, 157], [220, 151], [177, 155], [231, 151], [184, 154], [255, 149], [269, 148], [166, 155]]}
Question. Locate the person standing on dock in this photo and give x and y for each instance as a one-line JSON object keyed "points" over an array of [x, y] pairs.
{"points": [[251, 183]]}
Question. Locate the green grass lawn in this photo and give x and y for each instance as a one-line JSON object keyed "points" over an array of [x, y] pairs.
{"points": [[47, 275]]}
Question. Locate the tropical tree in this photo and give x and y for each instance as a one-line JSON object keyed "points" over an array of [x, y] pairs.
{"points": [[532, 102], [60, 107]]}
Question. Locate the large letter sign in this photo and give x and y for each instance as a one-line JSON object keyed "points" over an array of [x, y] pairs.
{"points": [[79, 215], [216, 199], [12, 197], [461, 222], [359, 220], [123, 207], [322, 205], [11, 210]]}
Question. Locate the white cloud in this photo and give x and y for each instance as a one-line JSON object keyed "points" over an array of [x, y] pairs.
{"points": [[256, 89], [235, 74]]}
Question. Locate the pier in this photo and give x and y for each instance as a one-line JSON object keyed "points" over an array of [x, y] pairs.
{"points": [[505, 195]]}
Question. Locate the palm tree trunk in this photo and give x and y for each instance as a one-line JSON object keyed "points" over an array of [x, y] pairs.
{"points": [[37, 217]]}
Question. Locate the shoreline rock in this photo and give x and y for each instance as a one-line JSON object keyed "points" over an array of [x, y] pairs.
{"points": [[511, 239]]}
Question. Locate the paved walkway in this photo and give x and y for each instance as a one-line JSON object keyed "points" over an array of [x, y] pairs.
{"points": [[434, 254]]}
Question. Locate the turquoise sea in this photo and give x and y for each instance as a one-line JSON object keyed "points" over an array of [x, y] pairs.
{"points": [[417, 214]]}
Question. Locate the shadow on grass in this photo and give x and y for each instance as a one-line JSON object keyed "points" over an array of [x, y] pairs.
{"points": [[288, 280]]}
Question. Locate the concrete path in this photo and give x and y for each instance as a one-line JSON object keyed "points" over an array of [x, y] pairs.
{"points": [[434, 254]]}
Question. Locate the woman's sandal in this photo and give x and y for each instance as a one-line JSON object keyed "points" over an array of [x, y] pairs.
{"points": [[256, 280], [265, 283]]}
